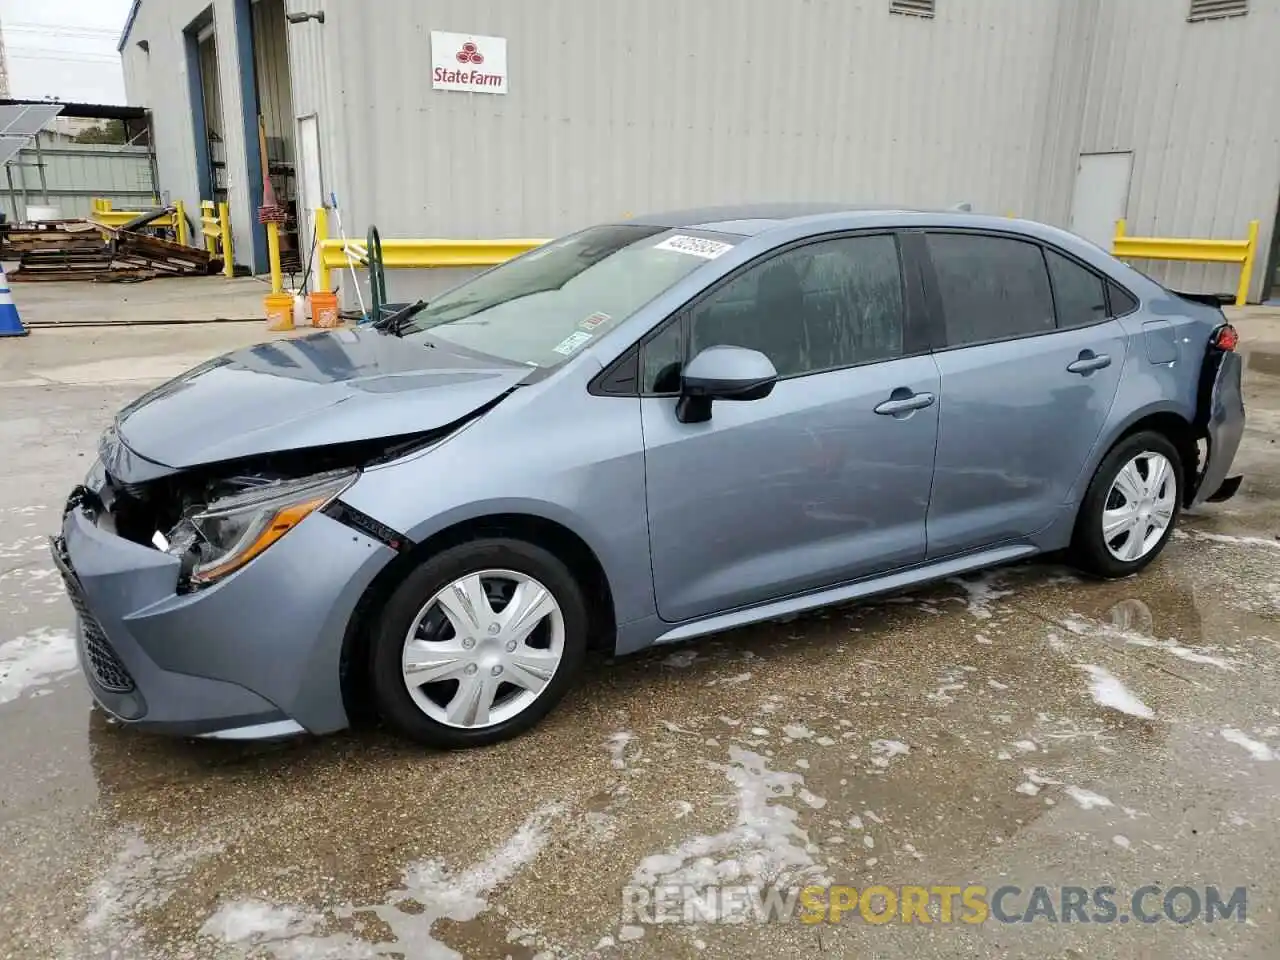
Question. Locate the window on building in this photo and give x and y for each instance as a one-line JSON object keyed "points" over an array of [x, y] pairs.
{"points": [[830, 304], [1078, 294], [912, 8], [1216, 9], [992, 288]]}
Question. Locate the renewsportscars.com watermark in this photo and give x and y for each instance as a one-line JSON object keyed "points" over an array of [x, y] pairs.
{"points": [[944, 904]]}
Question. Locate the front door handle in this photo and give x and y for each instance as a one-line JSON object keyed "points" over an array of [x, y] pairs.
{"points": [[898, 403], [1087, 362]]}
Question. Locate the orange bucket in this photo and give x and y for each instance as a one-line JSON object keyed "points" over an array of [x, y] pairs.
{"points": [[324, 309], [279, 308]]}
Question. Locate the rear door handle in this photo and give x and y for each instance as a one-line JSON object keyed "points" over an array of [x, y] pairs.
{"points": [[1087, 362], [897, 403]]}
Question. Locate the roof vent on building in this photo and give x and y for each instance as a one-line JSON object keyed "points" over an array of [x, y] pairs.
{"points": [[912, 8], [1216, 9]]}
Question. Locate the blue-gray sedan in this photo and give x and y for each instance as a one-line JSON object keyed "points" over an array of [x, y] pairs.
{"points": [[637, 434]]}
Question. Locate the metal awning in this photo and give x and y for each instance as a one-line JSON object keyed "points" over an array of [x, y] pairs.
{"points": [[19, 123]]}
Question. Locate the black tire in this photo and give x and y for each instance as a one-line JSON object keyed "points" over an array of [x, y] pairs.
{"points": [[1089, 549], [391, 696]]}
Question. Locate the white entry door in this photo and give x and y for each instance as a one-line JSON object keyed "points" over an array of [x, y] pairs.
{"points": [[1101, 195], [309, 180]]}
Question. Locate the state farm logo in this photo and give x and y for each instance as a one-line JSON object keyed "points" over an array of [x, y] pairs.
{"points": [[469, 54], [468, 62]]}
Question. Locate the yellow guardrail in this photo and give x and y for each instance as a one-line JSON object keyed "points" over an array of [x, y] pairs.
{"points": [[215, 227], [1242, 252], [334, 253], [104, 213]]}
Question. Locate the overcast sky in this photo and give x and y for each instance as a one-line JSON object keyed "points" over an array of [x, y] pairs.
{"points": [[64, 49]]}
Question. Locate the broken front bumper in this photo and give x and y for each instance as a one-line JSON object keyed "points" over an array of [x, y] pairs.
{"points": [[255, 655]]}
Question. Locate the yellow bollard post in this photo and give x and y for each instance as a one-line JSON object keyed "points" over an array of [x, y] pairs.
{"points": [[180, 216], [323, 279], [1246, 268], [273, 256], [224, 221]]}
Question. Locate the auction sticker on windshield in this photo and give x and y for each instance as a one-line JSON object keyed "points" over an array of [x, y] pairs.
{"points": [[572, 343], [694, 246], [593, 321]]}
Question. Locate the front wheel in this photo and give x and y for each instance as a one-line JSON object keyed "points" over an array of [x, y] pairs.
{"points": [[1130, 508], [478, 643]]}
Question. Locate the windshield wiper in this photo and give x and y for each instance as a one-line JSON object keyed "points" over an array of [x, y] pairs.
{"points": [[392, 322]]}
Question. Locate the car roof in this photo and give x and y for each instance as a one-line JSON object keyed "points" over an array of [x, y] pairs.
{"points": [[749, 219]]}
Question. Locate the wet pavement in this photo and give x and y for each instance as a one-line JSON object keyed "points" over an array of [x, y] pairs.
{"points": [[1023, 727]]}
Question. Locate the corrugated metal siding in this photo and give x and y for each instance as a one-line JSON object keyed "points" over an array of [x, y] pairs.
{"points": [[1199, 106], [621, 107], [75, 173], [158, 81]]}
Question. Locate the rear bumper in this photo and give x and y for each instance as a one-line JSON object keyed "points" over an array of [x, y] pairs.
{"points": [[1220, 417], [255, 656]]}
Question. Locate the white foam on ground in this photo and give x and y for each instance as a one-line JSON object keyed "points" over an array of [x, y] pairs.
{"points": [[1257, 749], [1081, 626], [981, 592], [139, 877], [35, 659], [764, 845], [617, 747], [1086, 799], [681, 658], [255, 921], [797, 731], [1235, 541], [1107, 690], [286, 932], [886, 750]]}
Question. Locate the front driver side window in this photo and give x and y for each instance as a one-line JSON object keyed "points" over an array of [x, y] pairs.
{"points": [[825, 305]]}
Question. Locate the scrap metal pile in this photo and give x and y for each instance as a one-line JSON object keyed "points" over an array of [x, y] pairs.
{"points": [[89, 250]]}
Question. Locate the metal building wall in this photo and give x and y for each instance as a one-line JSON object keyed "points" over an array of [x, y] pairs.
{"points": [[618, 107], [158, 81], [1199, 106], [75, 173]]}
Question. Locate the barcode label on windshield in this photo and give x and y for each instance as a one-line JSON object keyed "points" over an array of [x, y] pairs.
{"points": [[694, 246]]}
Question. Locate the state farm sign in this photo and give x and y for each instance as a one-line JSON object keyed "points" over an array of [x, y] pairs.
{"points": [[466, 61]]}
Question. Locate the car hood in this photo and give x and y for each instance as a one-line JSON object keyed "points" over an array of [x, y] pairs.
{"points": [[326, 388]]}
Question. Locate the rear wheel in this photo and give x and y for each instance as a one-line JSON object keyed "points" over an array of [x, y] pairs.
{"points": [[1131, 506], [478, 644]]}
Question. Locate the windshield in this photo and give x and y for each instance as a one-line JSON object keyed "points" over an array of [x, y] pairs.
{"points": [[546, 306]]}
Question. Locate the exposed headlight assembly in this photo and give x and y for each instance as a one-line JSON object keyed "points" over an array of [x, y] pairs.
{"points": [[227, 533]]}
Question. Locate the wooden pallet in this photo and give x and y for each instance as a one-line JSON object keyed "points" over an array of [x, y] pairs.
{"points": [[76, 250]]}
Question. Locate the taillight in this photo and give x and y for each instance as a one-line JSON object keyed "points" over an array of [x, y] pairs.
{"points": [[1225, 337]]}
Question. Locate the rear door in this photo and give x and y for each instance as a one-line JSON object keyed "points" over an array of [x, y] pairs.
{"points": [[1026, 387], [809, 486]]}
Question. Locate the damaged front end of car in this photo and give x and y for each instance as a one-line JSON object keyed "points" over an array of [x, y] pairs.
{"points": [[215, 518]]}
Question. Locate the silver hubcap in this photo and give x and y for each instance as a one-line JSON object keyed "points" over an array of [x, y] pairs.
{"points": [[1139, 506], [483, 648]]}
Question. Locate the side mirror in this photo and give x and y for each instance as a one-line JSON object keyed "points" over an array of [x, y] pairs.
{"points": [[723, 373]]}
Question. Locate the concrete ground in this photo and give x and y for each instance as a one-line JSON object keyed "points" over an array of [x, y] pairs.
{"points": [[956, 735]]}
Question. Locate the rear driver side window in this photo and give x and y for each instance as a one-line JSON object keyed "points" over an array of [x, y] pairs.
{"points": [[992, 288]]}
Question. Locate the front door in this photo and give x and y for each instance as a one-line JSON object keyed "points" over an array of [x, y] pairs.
{"points": [[810, 486], [1027, 388]]}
